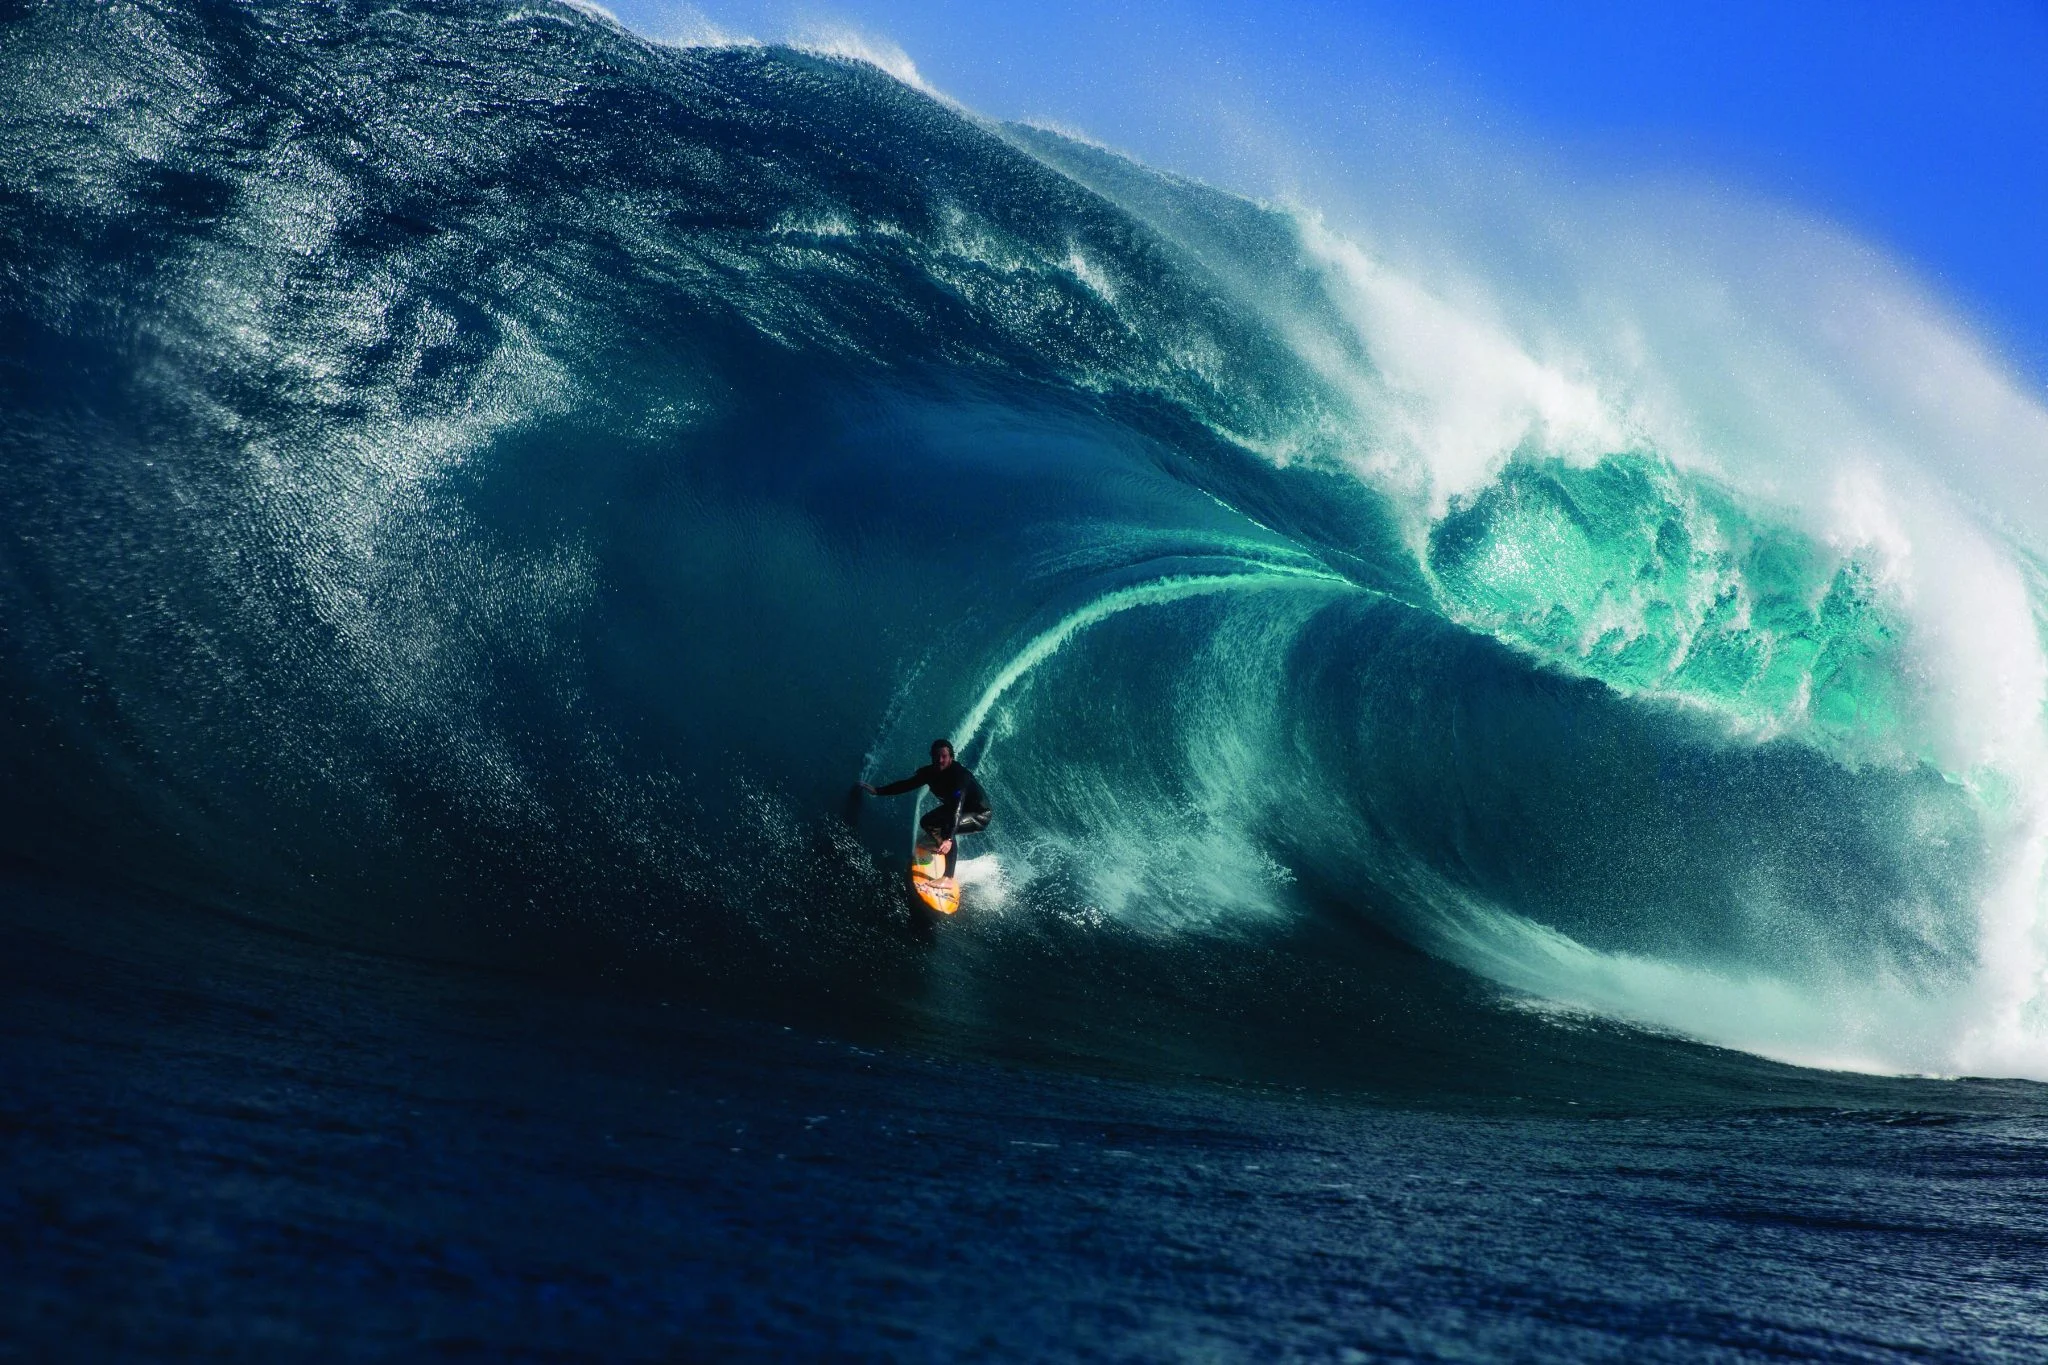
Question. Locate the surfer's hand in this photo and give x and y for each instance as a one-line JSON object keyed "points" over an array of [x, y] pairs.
{"points": [[945, 846], [868, 787]]}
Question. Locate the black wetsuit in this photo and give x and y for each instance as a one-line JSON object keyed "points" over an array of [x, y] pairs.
{"points": [[962, 808]]}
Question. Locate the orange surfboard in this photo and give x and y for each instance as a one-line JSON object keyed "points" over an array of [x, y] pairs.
{"points": [[929, 880]]}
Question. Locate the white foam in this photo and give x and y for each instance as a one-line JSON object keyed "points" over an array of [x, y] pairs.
{"points": [[1451, 393], [670, 24], [989, 879], [841, 40], [1883, 1027], [593, 9]]}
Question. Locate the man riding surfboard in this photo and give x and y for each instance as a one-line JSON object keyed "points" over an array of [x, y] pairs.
{"points": [[962, 808]]}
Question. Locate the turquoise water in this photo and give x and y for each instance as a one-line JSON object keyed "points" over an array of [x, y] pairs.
{"points": [[1652, 582]]}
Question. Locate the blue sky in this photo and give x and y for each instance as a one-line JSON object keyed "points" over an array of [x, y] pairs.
{"points": [[1920, 128]]}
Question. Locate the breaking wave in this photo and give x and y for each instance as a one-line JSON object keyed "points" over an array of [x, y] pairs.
{"points": [[482, 480]]}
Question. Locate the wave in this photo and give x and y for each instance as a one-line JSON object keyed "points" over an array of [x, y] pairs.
{"points": [[487, 482]]}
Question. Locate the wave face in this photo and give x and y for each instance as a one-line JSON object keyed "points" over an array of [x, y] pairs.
{"points": [[482, 481]]}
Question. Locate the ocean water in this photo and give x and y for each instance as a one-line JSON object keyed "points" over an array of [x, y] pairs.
{"points": [[305, 1153], [1496, 856]]}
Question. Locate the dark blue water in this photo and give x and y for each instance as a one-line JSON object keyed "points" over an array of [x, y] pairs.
{"points": [[303, 1153], [480, 489]]}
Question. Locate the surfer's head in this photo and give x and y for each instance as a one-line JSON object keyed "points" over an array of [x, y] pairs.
{"points": [[942, 752]]}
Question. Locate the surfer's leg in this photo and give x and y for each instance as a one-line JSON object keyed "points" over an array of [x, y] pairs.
{"points": [[971, 822], [934, 824]]}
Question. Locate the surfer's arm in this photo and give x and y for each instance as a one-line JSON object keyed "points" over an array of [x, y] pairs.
{"points": [[908, 784]]}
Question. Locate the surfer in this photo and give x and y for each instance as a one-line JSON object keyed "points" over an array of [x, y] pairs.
{"points": [[962, 808]]}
